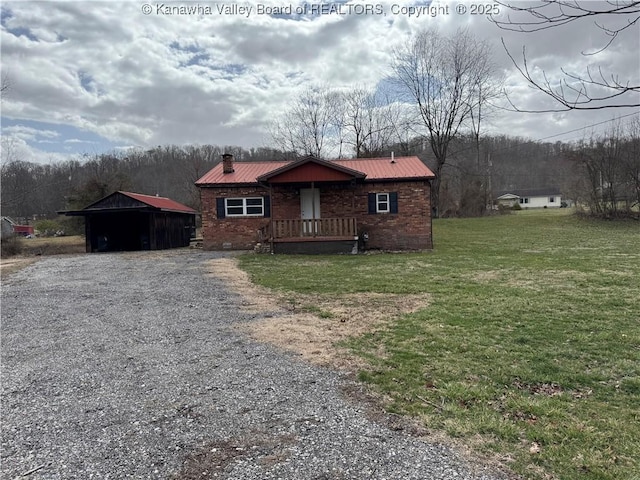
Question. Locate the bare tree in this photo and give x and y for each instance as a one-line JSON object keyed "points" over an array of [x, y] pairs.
{"points": [[368, 121], [594, 89], [631, 163], [309, 125], [196, 161], [612, 170], [488, 88], [445, 76]]}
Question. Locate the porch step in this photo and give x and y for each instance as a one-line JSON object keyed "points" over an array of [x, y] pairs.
{"points": [[314, 239]]}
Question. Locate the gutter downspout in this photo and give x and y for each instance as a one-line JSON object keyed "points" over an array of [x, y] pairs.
{"points": [[431, 213]]}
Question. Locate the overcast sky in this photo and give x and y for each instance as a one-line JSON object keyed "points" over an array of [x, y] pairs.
{"points": [[88, 77]]}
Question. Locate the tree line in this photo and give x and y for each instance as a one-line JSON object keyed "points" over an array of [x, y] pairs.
{"points": [[602, 173], [31, 190]]}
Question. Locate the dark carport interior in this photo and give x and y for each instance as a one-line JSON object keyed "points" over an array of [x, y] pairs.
{"points": [[126, 221]]}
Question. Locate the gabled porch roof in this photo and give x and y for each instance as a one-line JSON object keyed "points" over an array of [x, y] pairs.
{"points": [[311, 169]]}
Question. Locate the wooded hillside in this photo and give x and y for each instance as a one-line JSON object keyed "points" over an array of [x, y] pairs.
{"points": [[470, 180]]}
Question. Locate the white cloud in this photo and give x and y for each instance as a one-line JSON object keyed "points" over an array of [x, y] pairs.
{"points": [[28, 133], [16, 148], [77, 140]]}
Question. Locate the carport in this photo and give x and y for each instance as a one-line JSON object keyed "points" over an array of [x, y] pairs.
{"points": [[125, 221]]}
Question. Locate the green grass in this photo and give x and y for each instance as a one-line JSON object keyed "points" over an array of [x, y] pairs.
{"points": [[532, 337]]}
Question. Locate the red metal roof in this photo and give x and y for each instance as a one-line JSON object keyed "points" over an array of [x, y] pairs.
{"points": [[402, 168], [244, 172], [162, 203]]}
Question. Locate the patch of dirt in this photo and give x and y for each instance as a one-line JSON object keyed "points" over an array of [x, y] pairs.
{"points": [[487, 276], [313, 325], [13, 264], [215, 458], [546, 389]]}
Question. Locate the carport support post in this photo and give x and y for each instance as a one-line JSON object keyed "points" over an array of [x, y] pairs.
{"points": [[87, 233], [314, 229], [151, 228]]}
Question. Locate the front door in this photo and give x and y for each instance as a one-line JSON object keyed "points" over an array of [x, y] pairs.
{"points": [[309, 208]]}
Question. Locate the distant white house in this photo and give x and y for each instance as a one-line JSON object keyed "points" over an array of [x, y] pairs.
{"points": [[6, 227], [531, 198]]}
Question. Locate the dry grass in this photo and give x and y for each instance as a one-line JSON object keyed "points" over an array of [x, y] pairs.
{"points": [[314, 325], [53, 245], [14, 264], [31, 249]]}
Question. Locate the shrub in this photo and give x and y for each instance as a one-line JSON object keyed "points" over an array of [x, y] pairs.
{"points": [[47, 228], [504, 209], [72, 225], [11, 246]]}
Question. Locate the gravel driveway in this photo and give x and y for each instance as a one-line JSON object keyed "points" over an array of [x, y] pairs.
{"points": [[128, 366]]}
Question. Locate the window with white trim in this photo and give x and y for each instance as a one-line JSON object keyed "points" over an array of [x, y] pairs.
{"points": [[383, 205], [552, 199], [524, 200], [244, 207]]}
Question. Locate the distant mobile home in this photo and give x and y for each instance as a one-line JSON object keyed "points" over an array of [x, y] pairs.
{"points": [[531, 198]]}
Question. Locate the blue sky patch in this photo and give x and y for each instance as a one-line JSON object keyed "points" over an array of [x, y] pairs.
{"points": [[6, 14], [56, 138]]}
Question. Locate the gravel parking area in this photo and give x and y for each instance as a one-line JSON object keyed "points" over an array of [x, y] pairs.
{"points": [[129, 366]]}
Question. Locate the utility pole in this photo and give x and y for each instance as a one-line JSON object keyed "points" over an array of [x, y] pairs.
{"points": [[489, 165]]}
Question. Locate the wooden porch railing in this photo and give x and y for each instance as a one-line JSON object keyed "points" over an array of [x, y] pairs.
{"points": [[319, 227]]}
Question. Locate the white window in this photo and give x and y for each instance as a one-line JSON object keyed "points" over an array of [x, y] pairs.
{"points": [[244, 207], [524, 200], [552, 199], [382, 203]]}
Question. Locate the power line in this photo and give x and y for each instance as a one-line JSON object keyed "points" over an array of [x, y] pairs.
{"points": [[588, 126], [509, 147]]}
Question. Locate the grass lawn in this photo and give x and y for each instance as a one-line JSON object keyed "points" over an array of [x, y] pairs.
{"points": [[530, 348]]}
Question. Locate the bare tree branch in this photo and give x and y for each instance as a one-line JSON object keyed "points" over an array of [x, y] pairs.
{"points": [[555, 13], [5, 84], [574, 91], [307, 127], [369, 121]]}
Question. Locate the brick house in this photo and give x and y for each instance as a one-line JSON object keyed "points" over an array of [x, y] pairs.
{"points": [[316, 206]]}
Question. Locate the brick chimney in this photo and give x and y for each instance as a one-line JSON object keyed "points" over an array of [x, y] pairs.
{"points": [[227, 163]]}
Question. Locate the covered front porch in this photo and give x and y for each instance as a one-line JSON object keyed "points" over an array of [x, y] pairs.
{"points": [[311, 208], [319, 235]]}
